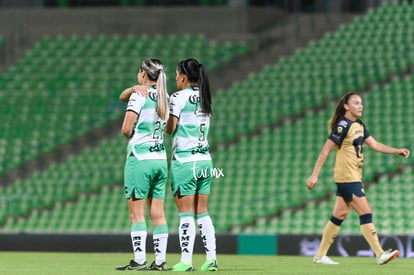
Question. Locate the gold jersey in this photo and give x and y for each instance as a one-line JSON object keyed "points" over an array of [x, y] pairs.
{"points": [[349, 136]]}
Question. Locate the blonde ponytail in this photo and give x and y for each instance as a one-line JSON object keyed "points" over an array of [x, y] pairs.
{"points": [[155, 71], [162, 103]]}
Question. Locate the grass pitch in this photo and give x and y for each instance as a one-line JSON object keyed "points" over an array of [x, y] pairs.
{"points": [[104, 263]]}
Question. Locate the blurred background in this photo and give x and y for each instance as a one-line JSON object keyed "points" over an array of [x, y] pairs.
{"points": [[277, 68]]}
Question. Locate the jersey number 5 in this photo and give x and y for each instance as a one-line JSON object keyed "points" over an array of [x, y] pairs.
{"points": [[202, 132]]}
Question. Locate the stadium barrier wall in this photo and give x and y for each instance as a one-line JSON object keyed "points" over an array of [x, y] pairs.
{"points": [[296, 245], [228, 21]]}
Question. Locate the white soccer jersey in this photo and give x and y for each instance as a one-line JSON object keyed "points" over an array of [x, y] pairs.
{"points": [[147, 141], [190, 138]]}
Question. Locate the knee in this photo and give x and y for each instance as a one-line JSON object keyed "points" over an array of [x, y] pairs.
{"points": [[341, 214], [134, 217]]}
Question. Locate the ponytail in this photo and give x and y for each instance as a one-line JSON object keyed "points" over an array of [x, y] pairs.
{"points": [[205, 94], [162, 104], [195, 72], [155, 71]]}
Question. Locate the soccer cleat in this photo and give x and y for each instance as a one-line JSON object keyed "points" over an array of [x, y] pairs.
{"points": [[161, 267], [387, 256], [183, 267], [209, 265], [133, 265], [323, 260]]}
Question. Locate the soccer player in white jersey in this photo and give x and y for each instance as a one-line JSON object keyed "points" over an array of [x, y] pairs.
{"points": [[191, 164], [146, 170]]}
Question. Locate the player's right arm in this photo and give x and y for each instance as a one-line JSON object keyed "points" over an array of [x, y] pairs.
{"points": [[326, 149], [133, 109], [128, 124], [176, 105]]}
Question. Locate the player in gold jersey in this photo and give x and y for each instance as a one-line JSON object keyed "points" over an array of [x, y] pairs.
{"points": [[348, 135]]}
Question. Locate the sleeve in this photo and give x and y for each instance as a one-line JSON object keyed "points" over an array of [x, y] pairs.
{"points": [[135, 103], [175, 105], [339, 132], [366, 133]]}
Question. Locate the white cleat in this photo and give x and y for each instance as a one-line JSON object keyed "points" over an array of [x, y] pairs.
{"points": [[323, 260], [387, 256]]}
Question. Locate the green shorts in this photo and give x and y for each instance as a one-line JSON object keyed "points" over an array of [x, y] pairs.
{"points": [[145, 178], [190, 178]]}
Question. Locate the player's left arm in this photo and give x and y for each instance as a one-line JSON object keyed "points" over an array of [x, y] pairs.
{"points": [[379, 147], [126, 94]]}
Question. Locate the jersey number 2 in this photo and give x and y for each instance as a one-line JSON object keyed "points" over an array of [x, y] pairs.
{"points": [[158, 130]]}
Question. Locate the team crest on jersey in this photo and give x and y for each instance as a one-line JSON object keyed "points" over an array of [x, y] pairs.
{"points": [[339, 129], [194, 99], [343, 123], [153, 96]]}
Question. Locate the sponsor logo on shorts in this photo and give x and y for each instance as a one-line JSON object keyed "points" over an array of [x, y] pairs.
{"points": [[206, 172]]}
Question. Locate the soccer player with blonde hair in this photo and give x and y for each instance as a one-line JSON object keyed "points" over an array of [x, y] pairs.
{"points": [[146, 171]]}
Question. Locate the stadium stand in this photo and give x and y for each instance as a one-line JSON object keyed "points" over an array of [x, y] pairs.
{"points": [[82, 70], [391, 198], [287, 155], [347, 59], [277, 126], [388, 118], [87, 73]]}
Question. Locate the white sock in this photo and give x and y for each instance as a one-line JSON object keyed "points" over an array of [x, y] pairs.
{"points": [[139, 239], [187, 236], [160, 240], [208, 235]]}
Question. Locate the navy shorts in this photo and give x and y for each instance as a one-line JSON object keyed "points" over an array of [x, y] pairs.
{"points": [[348, 190]]}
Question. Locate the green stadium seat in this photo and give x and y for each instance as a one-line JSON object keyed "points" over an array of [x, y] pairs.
{"points": [[265, 174], [83, 70]]}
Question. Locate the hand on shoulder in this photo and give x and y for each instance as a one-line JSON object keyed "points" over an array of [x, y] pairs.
{"points": [[141, 90]]}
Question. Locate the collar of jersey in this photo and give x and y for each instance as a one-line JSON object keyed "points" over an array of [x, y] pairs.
{"points": [[193, 88]]}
